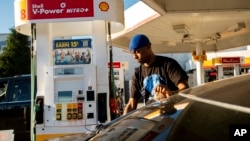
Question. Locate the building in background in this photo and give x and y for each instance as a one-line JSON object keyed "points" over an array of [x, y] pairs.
{"points": [[227, 63]]}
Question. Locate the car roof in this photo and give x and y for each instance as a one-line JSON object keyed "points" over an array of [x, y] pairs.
{"points": [[16, 76], [234, 90]]}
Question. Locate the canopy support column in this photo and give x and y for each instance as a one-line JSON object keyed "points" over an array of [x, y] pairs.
{"points": [[199, 63]]}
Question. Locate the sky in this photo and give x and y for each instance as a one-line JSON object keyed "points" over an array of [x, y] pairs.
{"points": [[7, 13]]}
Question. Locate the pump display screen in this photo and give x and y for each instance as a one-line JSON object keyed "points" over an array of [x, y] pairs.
{"points": [[64, 96]]}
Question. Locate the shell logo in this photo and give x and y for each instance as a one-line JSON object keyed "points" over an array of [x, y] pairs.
{"points": [[23, 9], [104, 6]]}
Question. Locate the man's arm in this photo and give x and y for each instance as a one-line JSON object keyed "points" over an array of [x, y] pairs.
{"points": [[183, 84], [132, 105]]}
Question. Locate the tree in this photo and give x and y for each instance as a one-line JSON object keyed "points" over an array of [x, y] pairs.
{"points": [[15, 58]]}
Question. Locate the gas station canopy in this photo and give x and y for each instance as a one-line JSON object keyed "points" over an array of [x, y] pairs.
{"points": [[175, 26]]}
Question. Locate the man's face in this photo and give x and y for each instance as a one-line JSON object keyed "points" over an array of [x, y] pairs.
{"points": [[140, 55]]}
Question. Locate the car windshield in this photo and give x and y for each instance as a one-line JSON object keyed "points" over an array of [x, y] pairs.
{"points": [[207, 112]]}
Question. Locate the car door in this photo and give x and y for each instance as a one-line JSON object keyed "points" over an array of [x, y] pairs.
{"points": [[19, 108]]}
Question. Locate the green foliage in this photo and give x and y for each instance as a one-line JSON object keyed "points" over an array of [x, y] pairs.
{"points": [[15, 57]]}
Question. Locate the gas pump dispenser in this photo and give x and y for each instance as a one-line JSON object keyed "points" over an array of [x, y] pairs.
{"points": [[69, 45], [117, 102]]}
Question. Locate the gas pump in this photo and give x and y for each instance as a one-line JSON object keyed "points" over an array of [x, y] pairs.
{"points": [[117, 102], [69, 44]]}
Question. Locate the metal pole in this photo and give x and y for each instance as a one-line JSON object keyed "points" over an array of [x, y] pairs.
{"points": [[32, 114], [111, 73]]}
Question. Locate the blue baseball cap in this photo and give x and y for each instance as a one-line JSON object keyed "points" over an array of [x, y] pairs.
{"points": [[138, 41]]}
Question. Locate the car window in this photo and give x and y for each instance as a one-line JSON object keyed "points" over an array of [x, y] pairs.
{"points": [[3, 89], [21, 90]]}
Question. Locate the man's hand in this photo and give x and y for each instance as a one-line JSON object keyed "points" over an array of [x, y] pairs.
{"points": [[161, 92], [131, 105]]}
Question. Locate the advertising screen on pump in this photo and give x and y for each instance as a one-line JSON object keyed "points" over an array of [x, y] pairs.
{"points": [[67, 52]]}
